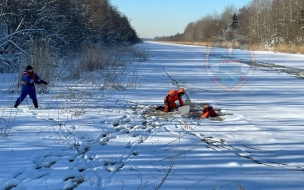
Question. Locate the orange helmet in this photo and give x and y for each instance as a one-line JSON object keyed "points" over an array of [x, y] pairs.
{"points": [[181, 90]]}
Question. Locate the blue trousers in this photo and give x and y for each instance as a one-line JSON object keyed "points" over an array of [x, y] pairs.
{"points": [[27, 90]]}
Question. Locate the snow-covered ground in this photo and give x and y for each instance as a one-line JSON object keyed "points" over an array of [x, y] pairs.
{"points": [[83, 138]]}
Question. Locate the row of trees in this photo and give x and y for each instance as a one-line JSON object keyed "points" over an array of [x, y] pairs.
{"points": [[266, 22], [66, 25]]}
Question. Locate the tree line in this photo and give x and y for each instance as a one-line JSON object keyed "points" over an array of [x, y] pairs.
{"points": [[65, 25], [266, 22]]}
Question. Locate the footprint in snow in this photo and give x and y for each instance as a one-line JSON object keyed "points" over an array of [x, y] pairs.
{"points": [[104, 141], [115, 167], [130, 144]]}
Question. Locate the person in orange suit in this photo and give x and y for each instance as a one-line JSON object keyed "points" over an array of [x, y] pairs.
{"points": [[208, 112], [171, 98]]}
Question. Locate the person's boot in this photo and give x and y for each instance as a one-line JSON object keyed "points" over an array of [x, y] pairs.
{"points": [[36, 104], [166, 108], [16, 105]]}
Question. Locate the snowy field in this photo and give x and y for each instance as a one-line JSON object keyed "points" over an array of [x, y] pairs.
{"points": [[82, 138]]}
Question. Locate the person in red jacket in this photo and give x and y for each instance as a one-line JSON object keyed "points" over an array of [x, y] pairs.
{"points": [[208, 112], [171, 98], [28, 80]]}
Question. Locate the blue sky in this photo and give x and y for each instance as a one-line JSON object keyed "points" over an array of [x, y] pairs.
{"points": [[151, 18]]}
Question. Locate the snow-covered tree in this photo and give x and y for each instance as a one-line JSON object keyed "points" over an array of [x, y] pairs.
{"points": [[66, 24]]}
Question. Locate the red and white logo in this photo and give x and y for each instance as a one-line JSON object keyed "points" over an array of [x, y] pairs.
{"points": [[229, 61]]}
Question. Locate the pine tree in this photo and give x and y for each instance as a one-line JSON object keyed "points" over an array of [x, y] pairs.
{"points": [[233, 23]]}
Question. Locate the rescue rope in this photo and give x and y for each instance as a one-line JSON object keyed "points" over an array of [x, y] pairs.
{"points": [[176, 83]]}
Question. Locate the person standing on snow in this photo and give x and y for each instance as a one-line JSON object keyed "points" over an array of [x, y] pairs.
{"points": [[29, 78], [169, 100], [208, 112]]}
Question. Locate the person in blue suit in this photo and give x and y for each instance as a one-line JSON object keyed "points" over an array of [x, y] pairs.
{"points": [[28, 80]]}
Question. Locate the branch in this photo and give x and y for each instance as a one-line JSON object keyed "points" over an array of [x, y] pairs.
{"points": [[19, 32], [19, 25], [17, 47], [167, 174]]}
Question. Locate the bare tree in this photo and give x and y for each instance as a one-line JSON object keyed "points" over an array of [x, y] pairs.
{"points": [[266, 22], [66, 24]]}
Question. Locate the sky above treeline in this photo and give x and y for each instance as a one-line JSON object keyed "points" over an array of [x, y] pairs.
{"points": [[151, 18]]}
